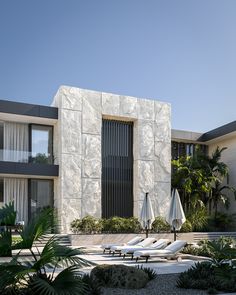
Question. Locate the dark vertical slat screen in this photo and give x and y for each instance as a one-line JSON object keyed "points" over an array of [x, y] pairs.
{"points": [[117, 169]]}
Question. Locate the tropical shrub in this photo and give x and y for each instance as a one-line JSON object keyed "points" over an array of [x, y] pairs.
{"points": [[114, 225], [121, 225], [119, 276], [90, 225], [198, 218], [186, 227], [199, 276], [205, 276], [160, 225], [218, 250], [8, 215], [7, 220], [149, 271], [221, 222], [200, 181], [31, 277], [87, 225], [219, 273]]}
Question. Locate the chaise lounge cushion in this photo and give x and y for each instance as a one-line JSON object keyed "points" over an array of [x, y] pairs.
{"points": [[160, 244], [132, 242], [170, 250], [144, 243]]}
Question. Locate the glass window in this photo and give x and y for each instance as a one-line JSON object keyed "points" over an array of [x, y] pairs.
{"points": [[1, 140], [1, 192], [41, 195], [41, 144]]}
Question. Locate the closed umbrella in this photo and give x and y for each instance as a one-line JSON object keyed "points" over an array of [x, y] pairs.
{"points": [[147, 216], [176, 216]]}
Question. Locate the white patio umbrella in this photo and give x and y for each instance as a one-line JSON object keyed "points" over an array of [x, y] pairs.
{"points": [[147, 216], [176, 217]]}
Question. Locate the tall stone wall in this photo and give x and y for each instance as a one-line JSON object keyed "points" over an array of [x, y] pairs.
{"points": [[78, 150]]}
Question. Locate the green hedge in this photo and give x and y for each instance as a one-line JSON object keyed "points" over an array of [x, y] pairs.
{"points": [[91, 225]]}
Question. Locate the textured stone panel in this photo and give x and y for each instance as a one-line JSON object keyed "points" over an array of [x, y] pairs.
{"points": [[71, 209], [162, 161], [92, 113], [146, 178], [128, 107], [71, 176], [145, 109], [71, 98], [110, 104], [162, 111], [162, 131], [56, 143], [79, 150], [91, 156], [145, 142], [91, 201], [161, 198], [71, 131]]}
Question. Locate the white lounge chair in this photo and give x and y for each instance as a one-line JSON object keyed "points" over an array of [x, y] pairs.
{"points": [[145, 243], [169, 252], [132, 242], [160, 244]]}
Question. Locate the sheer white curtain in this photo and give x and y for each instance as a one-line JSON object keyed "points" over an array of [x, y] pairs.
{"points": [[16, 189], [16, 142]]}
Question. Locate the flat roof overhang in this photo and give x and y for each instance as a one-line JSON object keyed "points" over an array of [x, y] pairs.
{"points": [[29, 169], [27, 113]]}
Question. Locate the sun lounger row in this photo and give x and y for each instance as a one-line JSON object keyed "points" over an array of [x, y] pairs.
{"points": [[147, 248], [132, 242]]}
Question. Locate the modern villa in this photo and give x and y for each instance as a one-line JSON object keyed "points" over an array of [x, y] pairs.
{"points": [[95, 153]]}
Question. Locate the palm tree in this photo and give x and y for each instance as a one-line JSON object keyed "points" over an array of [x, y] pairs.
{"points": [[200, 179], [38, 275], [219, 171]]}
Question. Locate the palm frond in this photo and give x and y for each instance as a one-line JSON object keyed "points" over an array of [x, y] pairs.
{"points": [[8, 214], [55, 254], [67, 282], [11, 274], [5, 243], [36, 229]]}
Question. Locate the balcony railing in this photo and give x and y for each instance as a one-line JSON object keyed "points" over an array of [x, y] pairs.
{"points": [[25, 157]]}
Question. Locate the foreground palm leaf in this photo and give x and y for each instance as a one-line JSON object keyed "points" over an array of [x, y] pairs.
{"points": [[8, 214], [36, 229], [37, 275], [5, 243], [67, 282], [59, 256]]}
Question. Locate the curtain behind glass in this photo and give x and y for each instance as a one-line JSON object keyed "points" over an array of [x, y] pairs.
{"points": [[16, 189], [16, 142]]}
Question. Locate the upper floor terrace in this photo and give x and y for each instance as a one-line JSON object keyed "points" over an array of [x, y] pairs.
{"points": [[26, 139]]}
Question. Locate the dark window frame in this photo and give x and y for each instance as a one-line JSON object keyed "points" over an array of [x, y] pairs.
{"points": [[30, 192], [51, 159]]}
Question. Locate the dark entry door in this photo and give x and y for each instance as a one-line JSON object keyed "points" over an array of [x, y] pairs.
{"points": [[117, 168]]}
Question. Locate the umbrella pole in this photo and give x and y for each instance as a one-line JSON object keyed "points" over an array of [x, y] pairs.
{"points": [[146, 232], [174, 234]]}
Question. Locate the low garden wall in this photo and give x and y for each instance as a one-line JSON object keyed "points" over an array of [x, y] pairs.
{"points": [[98, 239]]}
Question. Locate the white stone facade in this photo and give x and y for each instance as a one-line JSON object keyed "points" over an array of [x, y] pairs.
{"points": [[77, 142]]}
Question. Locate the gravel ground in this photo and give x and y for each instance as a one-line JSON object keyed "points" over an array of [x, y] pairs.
{"points": [[162, 285]]}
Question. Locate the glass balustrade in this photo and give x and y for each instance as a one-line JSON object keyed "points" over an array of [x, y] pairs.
{"points": [[25, 157]]}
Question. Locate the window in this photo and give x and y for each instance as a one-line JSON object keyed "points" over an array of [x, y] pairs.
{"points": [[1, 192], [117, 169], [40, 195], [41, 144], [1, 140]]}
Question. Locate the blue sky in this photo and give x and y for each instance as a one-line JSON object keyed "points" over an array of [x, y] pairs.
{"points": [[180, 51]]}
